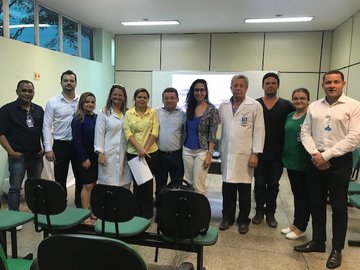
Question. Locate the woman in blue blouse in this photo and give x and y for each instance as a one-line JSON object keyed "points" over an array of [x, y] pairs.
{"points": [[83, 129], [202, 120]]}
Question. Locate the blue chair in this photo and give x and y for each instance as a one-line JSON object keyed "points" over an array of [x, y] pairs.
{"points": [[84, 252], [47, 200]]}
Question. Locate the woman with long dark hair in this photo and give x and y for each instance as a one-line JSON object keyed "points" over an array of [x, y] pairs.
{"points": [[202, 120]]}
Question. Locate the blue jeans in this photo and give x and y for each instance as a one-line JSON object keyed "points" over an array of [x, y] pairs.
{"points": [[17, 169]]}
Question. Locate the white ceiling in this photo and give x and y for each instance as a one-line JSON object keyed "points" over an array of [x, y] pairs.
{"points": [[205, 16]]}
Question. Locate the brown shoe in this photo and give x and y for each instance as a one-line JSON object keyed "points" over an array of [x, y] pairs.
{"points": [[243, 228], [258, 218], [224, 225], [334, 259], [271, 221]]}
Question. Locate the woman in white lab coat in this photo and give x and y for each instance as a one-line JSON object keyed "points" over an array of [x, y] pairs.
{"points": [[242, 138], [110, 141]]}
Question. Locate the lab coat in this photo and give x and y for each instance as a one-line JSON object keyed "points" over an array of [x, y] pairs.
{"points": [[242, 134], [110, 139]]}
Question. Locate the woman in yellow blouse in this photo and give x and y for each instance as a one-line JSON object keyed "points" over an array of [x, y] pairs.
{"points": [[141, 126]]}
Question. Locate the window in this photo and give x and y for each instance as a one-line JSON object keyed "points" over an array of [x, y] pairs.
{"points": [[70, 37], [1, 18], [48, 29], [87, 37], [21, 20]]}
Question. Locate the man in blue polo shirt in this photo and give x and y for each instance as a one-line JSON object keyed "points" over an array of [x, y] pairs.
{"points": [[20, 136]]}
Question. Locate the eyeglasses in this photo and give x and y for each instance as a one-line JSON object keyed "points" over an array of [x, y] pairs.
{"points": [[201, 90]]}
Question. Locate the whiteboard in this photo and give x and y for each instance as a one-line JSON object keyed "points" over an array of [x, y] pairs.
{"points": [[218, 84]]}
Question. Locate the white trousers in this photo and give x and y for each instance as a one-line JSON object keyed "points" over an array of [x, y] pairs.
{"points": [[193, 168]]}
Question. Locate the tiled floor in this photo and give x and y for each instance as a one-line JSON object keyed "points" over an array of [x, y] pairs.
{"points": [[261, 248]]}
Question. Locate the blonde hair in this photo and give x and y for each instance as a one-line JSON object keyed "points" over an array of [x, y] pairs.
{"points": [[80, 114]]}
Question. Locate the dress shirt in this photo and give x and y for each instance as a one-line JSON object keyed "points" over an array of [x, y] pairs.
{"points": [[141, 127], [59, 113], [332, 129], [171, 134]]}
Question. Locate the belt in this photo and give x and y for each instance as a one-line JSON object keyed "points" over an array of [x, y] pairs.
{"points": [[170, 153], [63, 141]]}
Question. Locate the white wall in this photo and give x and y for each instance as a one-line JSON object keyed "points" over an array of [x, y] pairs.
{"points": [[299, 56], [19, 60]]}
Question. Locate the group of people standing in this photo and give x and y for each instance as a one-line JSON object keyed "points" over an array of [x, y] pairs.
{"points": [[258, 138]]}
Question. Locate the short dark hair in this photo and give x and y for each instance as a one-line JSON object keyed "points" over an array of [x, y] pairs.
{"points": [[141, 90], [334, 71], [302, 90], [68, 72], [170, 90], [271, 74], [23, 81]]}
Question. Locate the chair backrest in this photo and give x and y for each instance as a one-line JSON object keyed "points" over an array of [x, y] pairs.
{"points": [[112, 203], [45, 196], [87, 252], [184, 214]]}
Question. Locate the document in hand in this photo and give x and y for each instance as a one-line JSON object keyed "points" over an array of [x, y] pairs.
{"points": [[140, 170]]}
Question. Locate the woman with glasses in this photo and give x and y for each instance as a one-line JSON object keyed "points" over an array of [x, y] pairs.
{"points": [[202, 120], [110, 141], [295, 158], [141, 127]]}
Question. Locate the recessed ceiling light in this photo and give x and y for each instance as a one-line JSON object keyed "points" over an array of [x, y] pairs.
{"points": [[148, 23], [279, 20]]}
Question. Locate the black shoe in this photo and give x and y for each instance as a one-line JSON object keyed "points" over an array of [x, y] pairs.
{"points": [[243, 228], [258, 218], [271, 221], [334, 259], [310, 247], [224, 225]]}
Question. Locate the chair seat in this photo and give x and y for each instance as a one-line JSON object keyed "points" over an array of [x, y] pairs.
{"points": [[354, 188], [12, 219], [132, 227], [19, 264], [208, 239], [355, 200], [67, 219]]}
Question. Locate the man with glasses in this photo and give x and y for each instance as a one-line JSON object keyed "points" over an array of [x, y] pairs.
{"points": [[20, 136], [59, 112]]}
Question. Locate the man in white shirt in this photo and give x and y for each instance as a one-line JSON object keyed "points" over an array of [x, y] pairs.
{"points": [[59, 112], [330, 133]]}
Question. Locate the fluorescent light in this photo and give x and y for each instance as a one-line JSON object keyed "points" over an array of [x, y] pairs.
{"points": [[279, 20], [146, 23], [30, 25]]}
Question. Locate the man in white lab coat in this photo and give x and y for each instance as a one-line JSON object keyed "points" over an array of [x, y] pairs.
{"points": [[243, 136]]}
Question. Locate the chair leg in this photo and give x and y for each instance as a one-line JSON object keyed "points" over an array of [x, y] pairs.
{"points": [[354, 243], [13, 233], [3, 242]]}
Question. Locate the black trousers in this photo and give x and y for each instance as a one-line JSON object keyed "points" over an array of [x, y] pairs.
{"points": [[333, 182], [170, 163], [144, 193], [299, 188], [64, 153], [230, 191], [267, 175]]}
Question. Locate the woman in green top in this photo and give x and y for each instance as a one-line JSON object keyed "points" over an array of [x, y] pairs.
{"points": [[295, 158]]}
